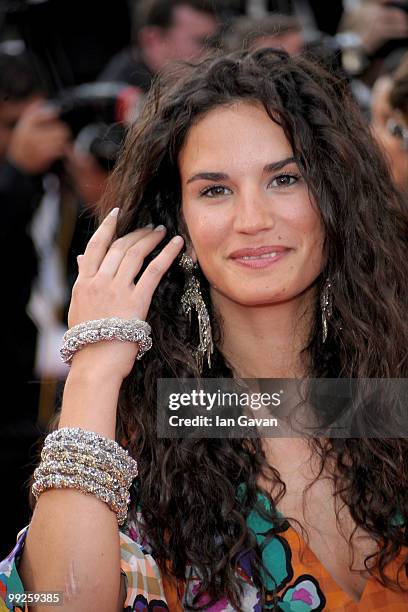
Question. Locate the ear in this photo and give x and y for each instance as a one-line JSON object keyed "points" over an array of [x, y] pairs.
{"points": [[192, 253], [189, 250]]}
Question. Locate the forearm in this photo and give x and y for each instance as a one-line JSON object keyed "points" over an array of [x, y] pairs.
{"points": [[73, 538], [72, 543], [91, 394]]}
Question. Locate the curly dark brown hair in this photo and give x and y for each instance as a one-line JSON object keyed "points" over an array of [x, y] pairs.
{"points": [[187, 487]]}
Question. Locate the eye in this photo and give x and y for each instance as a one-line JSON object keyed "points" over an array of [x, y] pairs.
{"points": [[284, 180], [214, 191]]}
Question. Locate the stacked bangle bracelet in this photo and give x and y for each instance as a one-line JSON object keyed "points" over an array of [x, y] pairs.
{"points": [[79, 459]]}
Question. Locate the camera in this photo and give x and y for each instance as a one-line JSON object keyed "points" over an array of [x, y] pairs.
{"points": [[96, 116]]}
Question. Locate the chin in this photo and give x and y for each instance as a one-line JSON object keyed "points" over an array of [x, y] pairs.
{"points": [[262, 298]]}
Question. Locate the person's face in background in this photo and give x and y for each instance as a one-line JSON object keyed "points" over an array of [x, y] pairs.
{"points": [[187, 36], [184, 40], [10, 113], [382, 116], [291, 41]]}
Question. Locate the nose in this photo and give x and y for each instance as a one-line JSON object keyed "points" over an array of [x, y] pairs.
{"points": [[252, 212]]}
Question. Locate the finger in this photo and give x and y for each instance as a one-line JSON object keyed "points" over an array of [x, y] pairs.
{"points": [[397, 14], [394, 17], [98, 245], [135, 255], [394, 20], [118, 250], [41, 114], [55, 134], [61, 132], [148, 282], [56, 147], [390, 33], [56, 141]]}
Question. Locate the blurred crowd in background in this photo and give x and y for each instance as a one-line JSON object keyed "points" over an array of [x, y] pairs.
{"points": [[73, 77]]}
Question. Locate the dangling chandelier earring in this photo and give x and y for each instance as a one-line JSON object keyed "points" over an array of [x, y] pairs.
{"points": [[326, 306], [192, 299]]}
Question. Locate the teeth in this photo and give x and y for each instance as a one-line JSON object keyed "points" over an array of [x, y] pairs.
{"points": [[265, 256]]}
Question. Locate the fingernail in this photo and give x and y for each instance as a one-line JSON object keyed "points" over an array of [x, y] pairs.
{"points": [[177, 239], [149, 226], [50, 107], [114, 212], [159, 228]]}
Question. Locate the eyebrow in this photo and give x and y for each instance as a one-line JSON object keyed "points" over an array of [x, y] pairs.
{"points": [[221, 176]]}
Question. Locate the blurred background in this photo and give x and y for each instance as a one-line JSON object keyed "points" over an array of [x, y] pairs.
{"points": [[73, 77]]}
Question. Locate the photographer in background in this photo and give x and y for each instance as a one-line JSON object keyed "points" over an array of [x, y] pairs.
{"points": [[272, 30], [370, 31], [31, 139], [163, 31]]}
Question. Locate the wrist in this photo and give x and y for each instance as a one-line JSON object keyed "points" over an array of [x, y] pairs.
{"points": [[89, 369], [90, 399]]}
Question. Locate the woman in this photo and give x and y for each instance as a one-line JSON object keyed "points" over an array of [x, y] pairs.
{"points": [[389, 120], [262, 164]]}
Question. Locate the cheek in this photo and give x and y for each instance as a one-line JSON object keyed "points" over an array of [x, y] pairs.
{"points": [[313, 237], [208, 233], [299, 211], [207, 230], [304, 221]]}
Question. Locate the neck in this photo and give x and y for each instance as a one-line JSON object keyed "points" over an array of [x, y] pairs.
{"points": [[266, 341]]}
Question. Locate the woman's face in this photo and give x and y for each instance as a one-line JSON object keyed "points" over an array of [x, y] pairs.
{"points": [[253, 228]]}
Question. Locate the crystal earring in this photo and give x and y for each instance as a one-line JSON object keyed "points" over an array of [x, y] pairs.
{"points": [[192, 299], [326, 306]]}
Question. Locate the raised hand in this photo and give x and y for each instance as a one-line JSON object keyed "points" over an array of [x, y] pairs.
{"points": [[105, 287], [38, 139]]}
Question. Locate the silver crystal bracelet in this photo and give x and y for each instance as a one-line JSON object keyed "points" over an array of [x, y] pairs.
{"points": [[113, 328], [76, 458]]}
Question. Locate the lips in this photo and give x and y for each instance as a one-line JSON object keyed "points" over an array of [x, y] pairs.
{"points": [[258, 251], [260, 257]]}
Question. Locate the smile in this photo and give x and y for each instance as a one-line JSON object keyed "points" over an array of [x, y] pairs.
{"points": [[260, 261]]}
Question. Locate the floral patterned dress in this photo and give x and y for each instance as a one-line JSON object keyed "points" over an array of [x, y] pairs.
{"points": [[303, 584]]}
